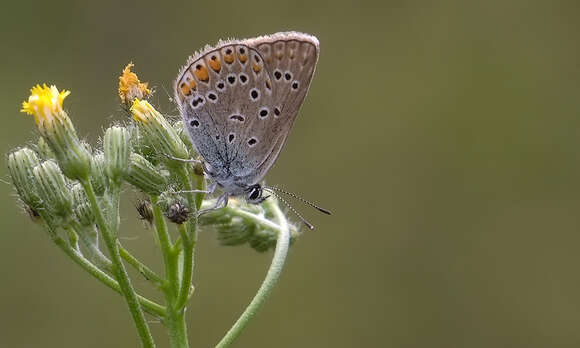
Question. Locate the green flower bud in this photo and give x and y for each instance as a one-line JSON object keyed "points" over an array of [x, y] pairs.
{"points": [[117, 148], [183, 134], [144, 176], [157, 131], [241, 223], [81, 206], [71, 154], [98, 178], [20, 165], [52, 189], [44, 150], [235, 232]]}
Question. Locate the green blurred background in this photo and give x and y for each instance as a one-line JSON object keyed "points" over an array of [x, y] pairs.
{"points": [[442, 134]]}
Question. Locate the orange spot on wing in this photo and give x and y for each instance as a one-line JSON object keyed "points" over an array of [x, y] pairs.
{"points": [[185, 88], [257, 68], [192, 84], [243, 58], [201, 73], [228, 55], [214, 63]]}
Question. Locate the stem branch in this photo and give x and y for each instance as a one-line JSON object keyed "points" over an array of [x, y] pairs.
{"points": [[271, 279], [118, 268]]}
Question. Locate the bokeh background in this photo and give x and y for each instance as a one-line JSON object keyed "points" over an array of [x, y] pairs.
{"points": [[442, 134]]}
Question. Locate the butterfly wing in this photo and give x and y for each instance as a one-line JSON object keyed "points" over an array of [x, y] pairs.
{"points": [[239, 100]]}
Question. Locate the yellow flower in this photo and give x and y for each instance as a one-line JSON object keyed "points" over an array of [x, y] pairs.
{"points": [[143, 111], [156, 131], [130, 87], [45, 104], [58, 131]]}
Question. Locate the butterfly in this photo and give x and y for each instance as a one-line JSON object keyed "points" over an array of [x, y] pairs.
{"points": [[239, 100]]}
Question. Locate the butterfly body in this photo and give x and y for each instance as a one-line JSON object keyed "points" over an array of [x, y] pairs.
{"points": [[239, 100]]}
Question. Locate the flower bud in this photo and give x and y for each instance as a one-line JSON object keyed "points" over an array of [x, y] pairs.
{"points": [[144, 176], [145, 210], [99, 180], [20, 165], [52, 189], [117, 147], [81, 206], [157, 131], [183, 134], [177, 213], [44, 151]]}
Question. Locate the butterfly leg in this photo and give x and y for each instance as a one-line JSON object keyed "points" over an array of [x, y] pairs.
{"points": [[221, 202], [191, 160], [210, 189]]}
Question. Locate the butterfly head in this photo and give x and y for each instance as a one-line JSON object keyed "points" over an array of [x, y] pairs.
{"points": [[253, 194]]}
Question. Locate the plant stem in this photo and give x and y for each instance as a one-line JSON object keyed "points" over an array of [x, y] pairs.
{"points": [[167, 249], [149, 306], [187, 269], [140, 266], [118, 269], [175, 322], [188, 234], [271, 279]]}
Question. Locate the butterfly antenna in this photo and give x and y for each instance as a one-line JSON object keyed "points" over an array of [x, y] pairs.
{"points": [[315, 206], [310, 226]]}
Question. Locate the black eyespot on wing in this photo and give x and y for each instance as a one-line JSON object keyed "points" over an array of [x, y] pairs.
{"points": [[277, 74], [243, 78], [212, 96], [252, 141], [194, 123], [231, 137], [276, 111], [231, 79], [287, 76], [220, 85], [263, 112], [254, 94], [237, 118], [295, 85]]}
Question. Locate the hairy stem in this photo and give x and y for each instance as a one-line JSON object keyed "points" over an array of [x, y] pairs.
{"points": [[118, 268], [271, 279]]}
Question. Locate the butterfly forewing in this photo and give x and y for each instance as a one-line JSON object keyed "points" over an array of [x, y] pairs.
{"points": [[240, 99]]}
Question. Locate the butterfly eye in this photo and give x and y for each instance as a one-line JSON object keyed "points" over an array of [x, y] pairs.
{"points": [[255, 193]]}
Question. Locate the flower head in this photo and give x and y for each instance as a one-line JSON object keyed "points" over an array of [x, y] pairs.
{"points": [[130, 88], [157, 131], [45, 104]]}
